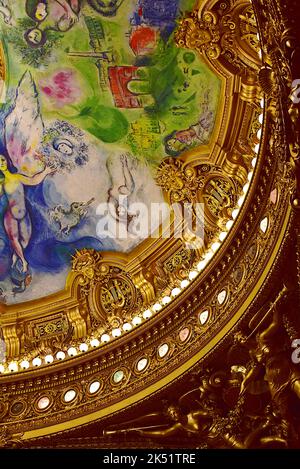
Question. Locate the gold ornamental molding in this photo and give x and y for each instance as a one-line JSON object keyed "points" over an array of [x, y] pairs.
{"points": [[225, 31], [122, 361], [82, 420]]}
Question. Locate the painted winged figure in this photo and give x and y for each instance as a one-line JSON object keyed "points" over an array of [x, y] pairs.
{"points": [[23, 132]]}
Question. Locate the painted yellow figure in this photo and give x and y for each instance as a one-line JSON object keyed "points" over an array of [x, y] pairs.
{"points": [[17, 221]]}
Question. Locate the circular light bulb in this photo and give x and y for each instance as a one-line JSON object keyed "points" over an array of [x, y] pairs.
{"points": [[60, 355], [25, 364], [184, 283], [37, 361], [72, 352], [136, 321], [215, 246], [105, 338], [13, 367], [175, 291], [95, 343], [222, 236], [147, 314], [49, 359], [83, 347], [193, 274], [166, 300]]}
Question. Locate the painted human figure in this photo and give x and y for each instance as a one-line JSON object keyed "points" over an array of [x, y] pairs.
{"points": [[119, 196], [17, 221], [61, 15], [58, 15], [197, 134]]}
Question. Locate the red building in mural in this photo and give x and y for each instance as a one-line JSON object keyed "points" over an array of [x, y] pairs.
{"points": [[119, 78]]}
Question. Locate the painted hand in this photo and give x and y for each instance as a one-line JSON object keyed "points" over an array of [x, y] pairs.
{"points": [[49, 170]]}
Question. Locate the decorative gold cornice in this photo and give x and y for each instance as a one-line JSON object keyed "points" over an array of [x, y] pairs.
{"points": [[224, 31]]}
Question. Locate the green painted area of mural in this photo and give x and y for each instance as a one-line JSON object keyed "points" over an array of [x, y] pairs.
{"points": [[170, 83], [107, 124]]}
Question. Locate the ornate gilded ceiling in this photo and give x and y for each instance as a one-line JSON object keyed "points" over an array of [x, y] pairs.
{"points": [[173, 104]]}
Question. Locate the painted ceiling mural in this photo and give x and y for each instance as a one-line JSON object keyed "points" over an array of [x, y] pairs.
{"points": [[96, 95]]}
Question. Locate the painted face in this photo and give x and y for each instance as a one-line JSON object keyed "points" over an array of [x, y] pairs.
{"points": [[65, 149], [3, 163], [41, 12], [35, 36]]}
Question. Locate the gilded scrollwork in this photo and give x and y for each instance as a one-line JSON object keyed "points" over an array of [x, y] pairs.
{"points": [[8, 439], [227, 32], [278, 78], [85, 264], [200, 183], [202, 34], [109, 291], [181, 184]]}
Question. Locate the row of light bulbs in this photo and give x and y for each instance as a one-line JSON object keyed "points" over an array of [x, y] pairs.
{"points": [[14, 366]]}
